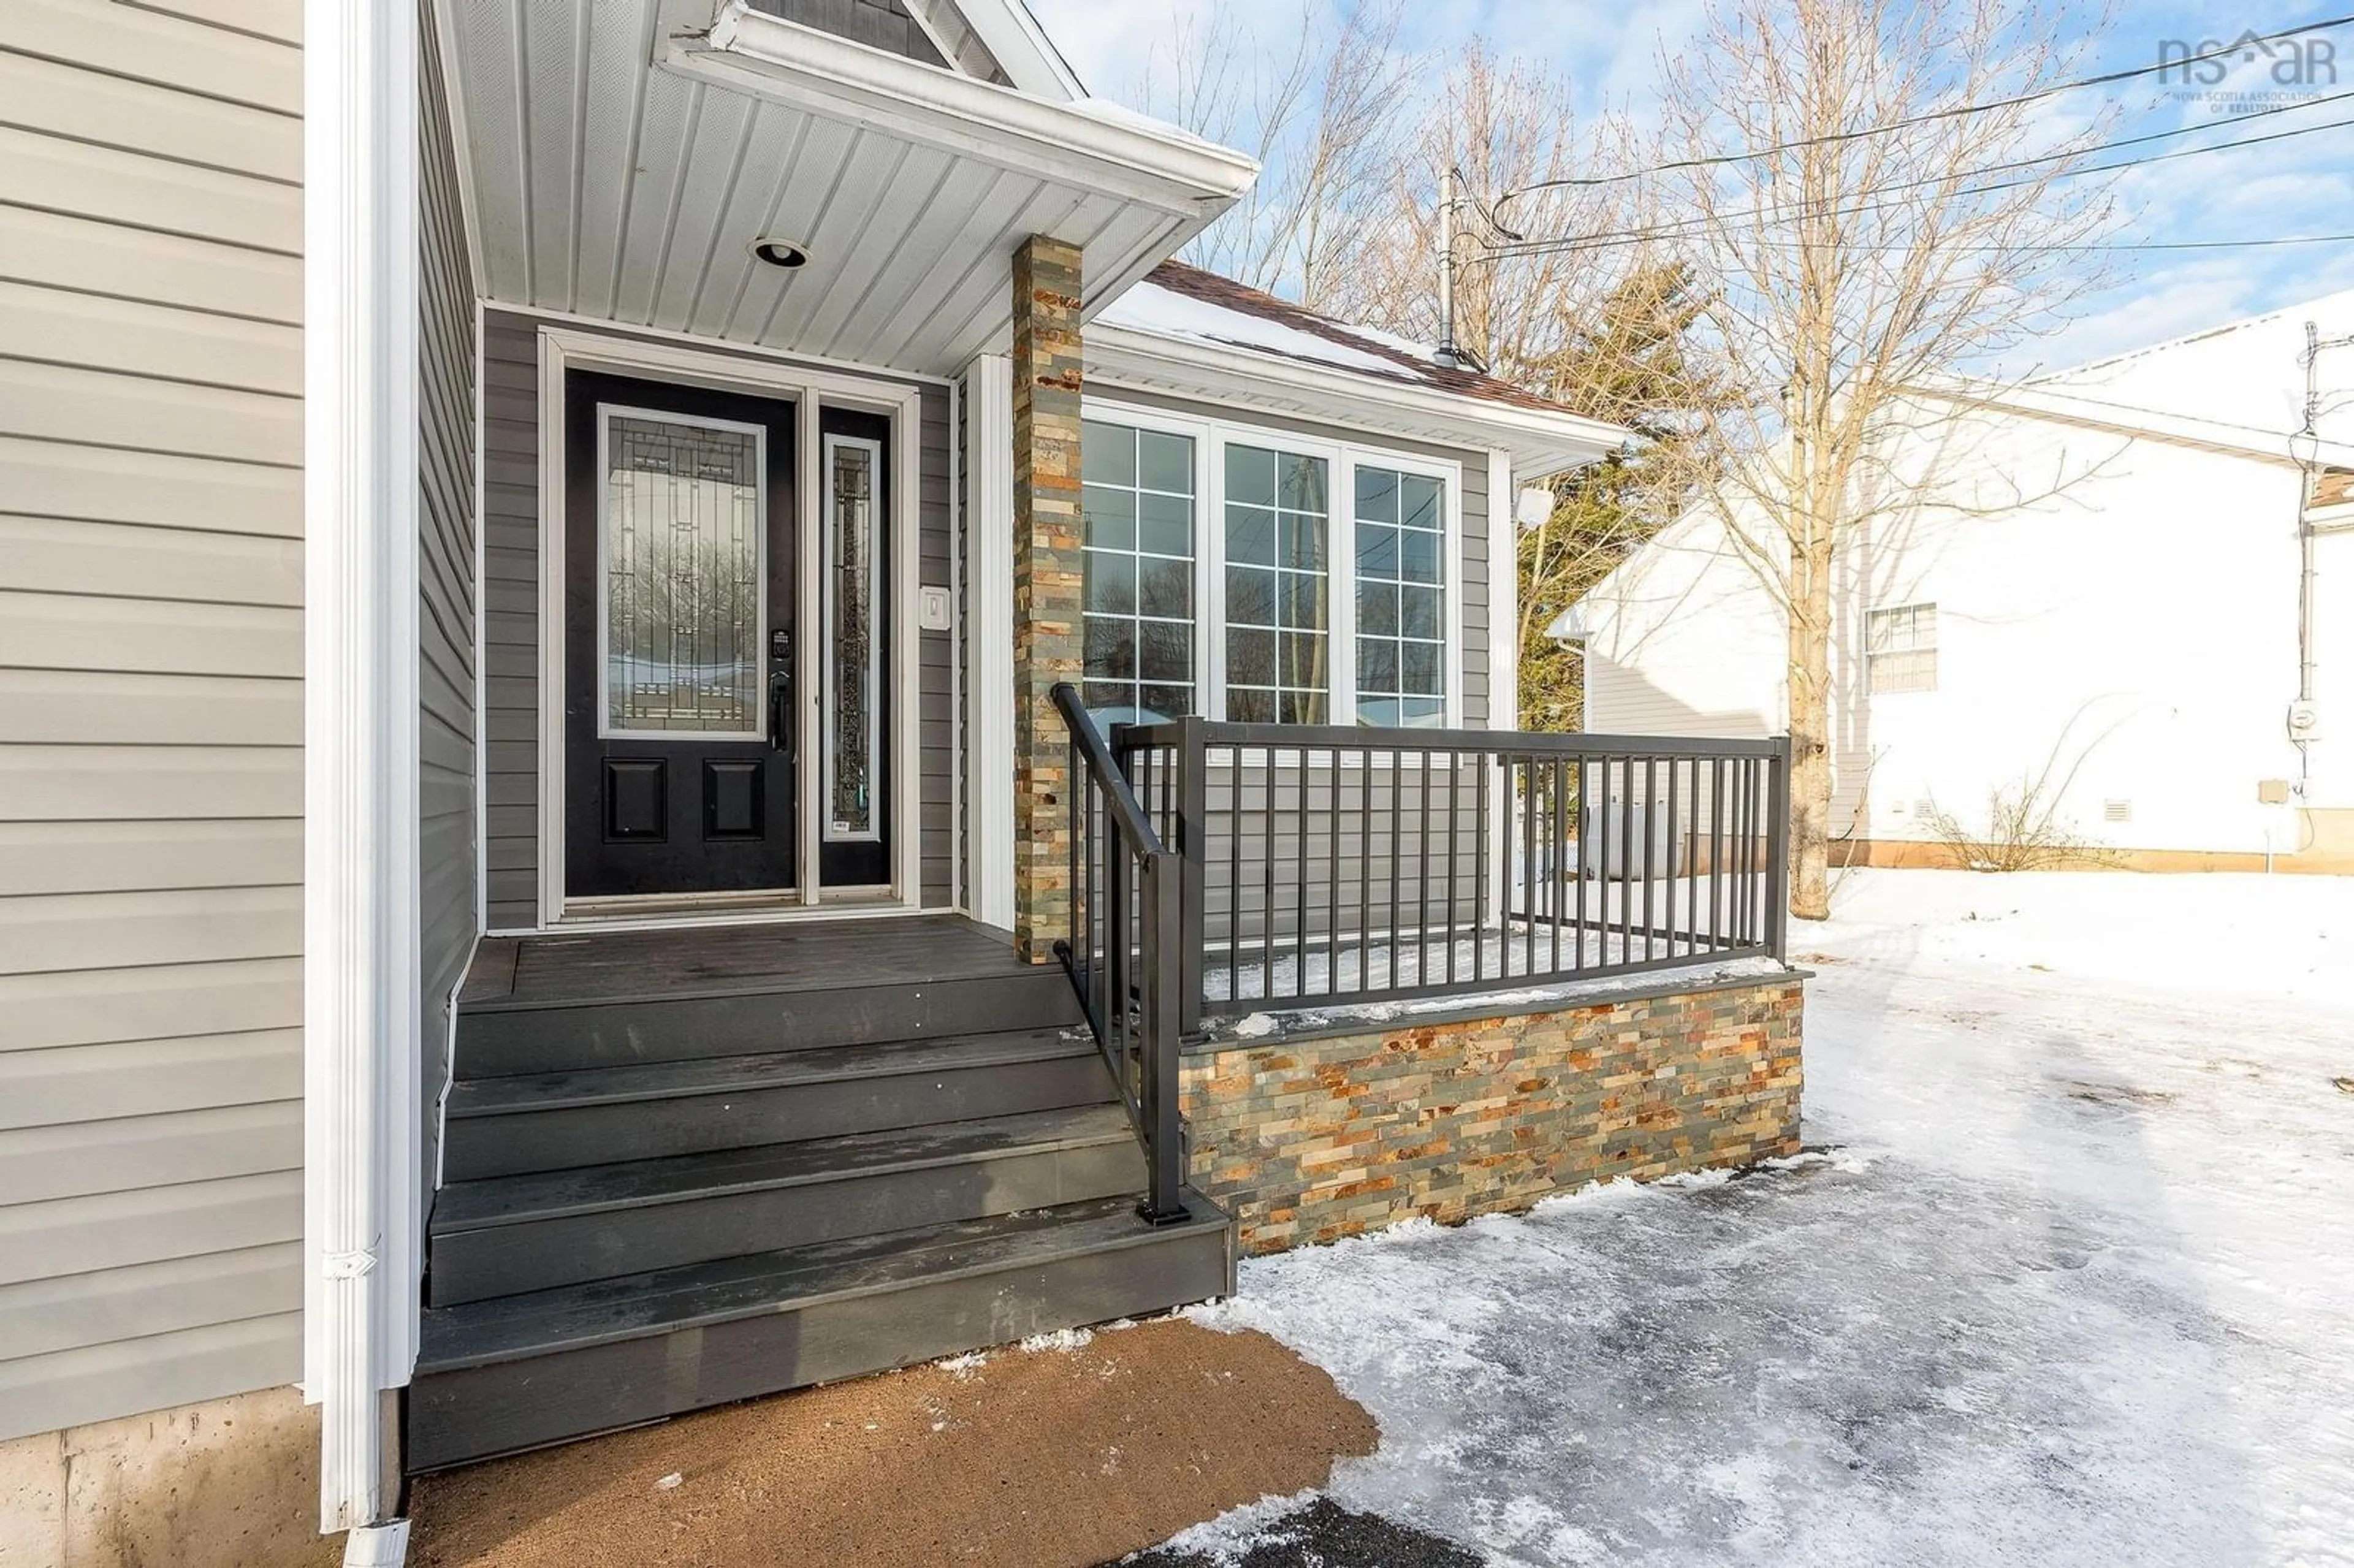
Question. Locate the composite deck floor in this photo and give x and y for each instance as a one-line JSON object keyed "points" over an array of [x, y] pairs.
{"points": [[569, 968]]}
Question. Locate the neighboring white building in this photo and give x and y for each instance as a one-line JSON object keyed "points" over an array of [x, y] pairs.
{"points": [[2104, 588]]}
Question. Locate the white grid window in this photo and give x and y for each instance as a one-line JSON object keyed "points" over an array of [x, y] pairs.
{"points": [[1401, 598], [1140, 508], [1278, 607], [1266, 577], [1900, 649]]}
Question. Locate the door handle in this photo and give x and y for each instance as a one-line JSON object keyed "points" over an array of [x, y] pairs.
{"points": [[781, 712]]}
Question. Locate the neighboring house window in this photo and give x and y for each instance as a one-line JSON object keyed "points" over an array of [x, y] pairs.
{"points": [[1401, 605], [1900, 649], [1279, 586], [1139, 501], [1263, 577]]}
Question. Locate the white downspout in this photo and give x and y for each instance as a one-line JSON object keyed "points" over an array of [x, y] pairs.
{"points": [[360, 748]]}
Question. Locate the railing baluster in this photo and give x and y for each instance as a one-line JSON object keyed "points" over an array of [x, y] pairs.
{"points": [[1332, 875], [1267, 899], [1422, 872], [1675, 852], [1300, 895], [1651, 837], [1585, 796], [1451, 860], [1531, 803], [1366, 869], [1480, 881], [1716, 854], [1557, 823]]}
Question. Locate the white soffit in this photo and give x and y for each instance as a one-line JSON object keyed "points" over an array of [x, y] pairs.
{"points": [[623, 160]]}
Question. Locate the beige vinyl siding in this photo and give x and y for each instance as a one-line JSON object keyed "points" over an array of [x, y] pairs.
{"points": [[151, 717], [511, 422], [449, 911]]}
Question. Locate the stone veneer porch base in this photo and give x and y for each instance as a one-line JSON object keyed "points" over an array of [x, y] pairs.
{"points": [[1308, 1127]]}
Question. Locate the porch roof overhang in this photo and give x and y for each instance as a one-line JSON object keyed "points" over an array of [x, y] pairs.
{"points": [[1541, 442], [626, 155]]}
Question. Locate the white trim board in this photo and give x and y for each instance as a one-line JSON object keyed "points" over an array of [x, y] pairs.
{"points": [[563, 348]]}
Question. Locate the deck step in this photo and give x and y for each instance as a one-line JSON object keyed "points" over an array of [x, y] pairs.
{"points": [[507, 1234], [525, 1371], [553, 1121], [730, 1016]]}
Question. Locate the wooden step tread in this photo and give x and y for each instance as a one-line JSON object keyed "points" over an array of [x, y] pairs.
{"points": [[724, 1074], [661, 1302], [493, 1201]]}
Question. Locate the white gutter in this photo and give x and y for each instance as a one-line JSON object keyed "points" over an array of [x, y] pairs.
{"points": [[1128, 156], [360, 998], [1541, 442]]}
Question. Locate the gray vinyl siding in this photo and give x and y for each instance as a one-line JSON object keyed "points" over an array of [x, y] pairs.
{"points": [[449, 904], [151, 706], [510, 500]]}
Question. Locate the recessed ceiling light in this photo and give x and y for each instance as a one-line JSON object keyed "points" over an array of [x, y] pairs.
{"points": [[780, 252]]}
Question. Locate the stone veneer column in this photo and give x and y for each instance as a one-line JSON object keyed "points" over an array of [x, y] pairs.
{"points": [[1046, 583]]}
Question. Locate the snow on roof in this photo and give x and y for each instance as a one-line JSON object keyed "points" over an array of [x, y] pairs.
{"points": [[1180, 302]]}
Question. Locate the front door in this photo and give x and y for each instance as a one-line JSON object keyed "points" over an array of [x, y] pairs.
{"points": [[678, 626]]}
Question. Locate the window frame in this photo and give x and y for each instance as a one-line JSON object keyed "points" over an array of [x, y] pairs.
{"points": [[1342, 457], [1872, 656], [1163, 424]]}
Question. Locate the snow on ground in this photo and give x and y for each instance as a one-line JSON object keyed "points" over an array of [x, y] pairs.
{"points": [[2072, 1284]]}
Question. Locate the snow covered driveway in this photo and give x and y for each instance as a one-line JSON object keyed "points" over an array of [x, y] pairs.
{"points": [[2071, 1282]]}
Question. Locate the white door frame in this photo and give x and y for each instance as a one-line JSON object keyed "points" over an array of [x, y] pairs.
{"points": [[566, 348]]}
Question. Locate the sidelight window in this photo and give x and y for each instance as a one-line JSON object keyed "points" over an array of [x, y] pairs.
{"points": [[853, 731]]}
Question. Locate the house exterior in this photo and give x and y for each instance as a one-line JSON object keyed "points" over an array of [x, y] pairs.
{"points": [[2127, 581], [653, 663]]}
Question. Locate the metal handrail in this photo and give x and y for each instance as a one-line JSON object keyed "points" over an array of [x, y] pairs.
{"points": [[1123, 950], [1331, 863]]}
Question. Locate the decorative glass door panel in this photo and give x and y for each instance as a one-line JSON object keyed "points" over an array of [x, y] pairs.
{"points": [[683, 545]]}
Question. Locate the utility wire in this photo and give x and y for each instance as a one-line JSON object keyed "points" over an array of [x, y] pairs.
{"points": [[1682, 228], [2018, 249], [1955, 112]]}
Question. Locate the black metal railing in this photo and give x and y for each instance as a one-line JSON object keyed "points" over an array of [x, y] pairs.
{"points": [[1328, 865], [1127, 931]]}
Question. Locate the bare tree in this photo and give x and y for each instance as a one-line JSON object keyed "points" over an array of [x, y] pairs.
{"points": [[1879, 196], [1325, 113]]}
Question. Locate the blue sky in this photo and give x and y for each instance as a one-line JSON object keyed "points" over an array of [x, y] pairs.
{"points": [[1610, 51]]}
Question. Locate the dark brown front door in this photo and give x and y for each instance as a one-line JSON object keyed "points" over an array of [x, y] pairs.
{"points": [[678, 628]]}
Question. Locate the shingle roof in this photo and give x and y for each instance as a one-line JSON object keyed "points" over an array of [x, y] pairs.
{"points": [[1367, 353]]}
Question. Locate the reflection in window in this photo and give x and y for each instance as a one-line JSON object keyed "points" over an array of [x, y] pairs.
{"points": [[1139, 504], [1277, 588], [853, 695], [1401, 598], [681, 530], [1900, 648]]}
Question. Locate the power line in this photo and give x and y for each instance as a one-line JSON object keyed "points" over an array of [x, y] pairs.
{"points": [[1955, 112], [2086, 245], [1682, 228]]}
